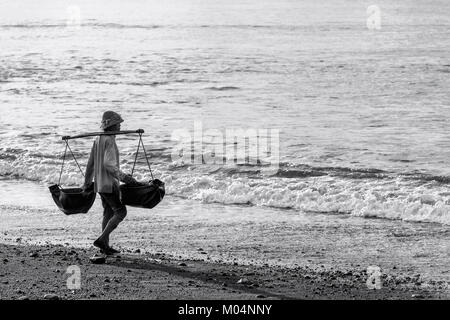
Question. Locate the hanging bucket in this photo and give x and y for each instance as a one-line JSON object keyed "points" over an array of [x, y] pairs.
{"points": [[74, 200], [143, 195]]}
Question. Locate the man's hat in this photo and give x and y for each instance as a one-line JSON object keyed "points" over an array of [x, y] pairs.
{"points": [[110, 118]]}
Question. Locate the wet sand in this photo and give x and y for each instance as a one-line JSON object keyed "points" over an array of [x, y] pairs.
{"points": [[287, 254], [39, 272]]}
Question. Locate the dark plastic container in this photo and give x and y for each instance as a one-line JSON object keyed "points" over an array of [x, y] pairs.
{"points": [[143, 195], [73, 200]]}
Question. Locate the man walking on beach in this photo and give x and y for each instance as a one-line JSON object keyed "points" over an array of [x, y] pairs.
{"points": [[104, 167]]}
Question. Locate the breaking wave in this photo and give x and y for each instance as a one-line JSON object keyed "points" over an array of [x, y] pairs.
{"points": [[370, 193]]}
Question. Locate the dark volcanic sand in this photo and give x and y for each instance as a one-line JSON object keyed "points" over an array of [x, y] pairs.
{"points": [[31, 272]]}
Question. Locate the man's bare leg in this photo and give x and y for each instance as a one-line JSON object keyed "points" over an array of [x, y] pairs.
{"points": [[103, 241]]}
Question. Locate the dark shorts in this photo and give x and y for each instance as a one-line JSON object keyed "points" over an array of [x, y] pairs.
{"points": [[112, 204]]}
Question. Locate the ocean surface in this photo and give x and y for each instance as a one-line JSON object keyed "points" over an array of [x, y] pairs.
{"points": [[363, 114]]}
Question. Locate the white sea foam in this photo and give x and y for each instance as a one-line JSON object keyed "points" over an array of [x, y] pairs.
{"points": [[396, 200], [342, 96], [392, 198]]}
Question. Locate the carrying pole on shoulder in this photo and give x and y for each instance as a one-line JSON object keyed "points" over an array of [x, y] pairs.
{"points": [[107, 133]]}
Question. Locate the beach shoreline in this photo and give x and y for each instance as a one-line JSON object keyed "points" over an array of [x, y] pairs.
{"points": [[287, 254], [39, 272], [346, 101]]}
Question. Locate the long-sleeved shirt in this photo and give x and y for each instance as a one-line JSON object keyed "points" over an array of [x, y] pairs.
{"points": [[103, 165]]}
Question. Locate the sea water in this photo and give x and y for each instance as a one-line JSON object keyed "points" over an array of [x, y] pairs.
{"points": [[362, 113]]}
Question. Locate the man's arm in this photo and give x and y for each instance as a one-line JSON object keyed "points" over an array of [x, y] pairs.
{"points": [[110, 163]]}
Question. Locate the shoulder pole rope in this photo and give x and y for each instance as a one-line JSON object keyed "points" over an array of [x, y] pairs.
{"points": [[145, 154], [146, 158], [139, 131], [75, 159], [64, 159], [62, 167], [136, 157], [148, 163]]}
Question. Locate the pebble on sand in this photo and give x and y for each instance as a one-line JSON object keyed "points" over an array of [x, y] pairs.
{"points": [[51, 297], [97, 260], [243, 281]]}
